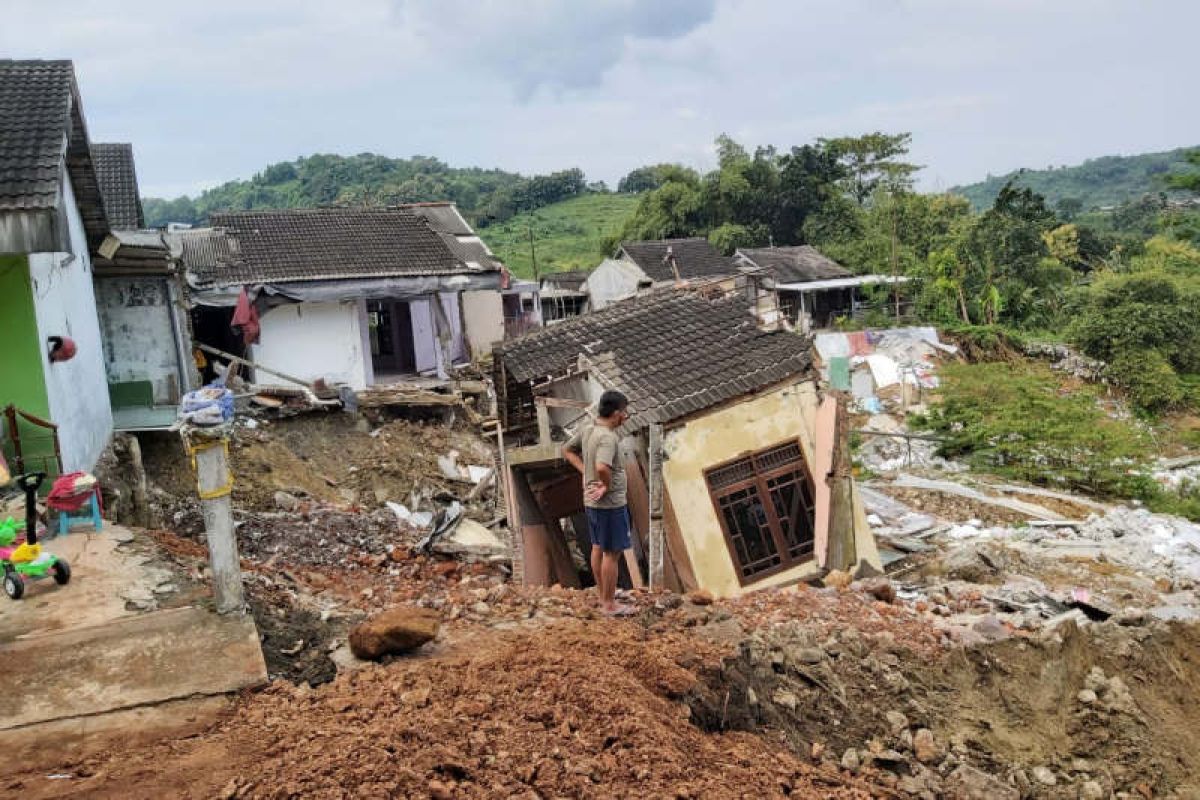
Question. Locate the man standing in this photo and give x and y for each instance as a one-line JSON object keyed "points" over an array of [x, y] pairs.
{"points": [[594, 451]]}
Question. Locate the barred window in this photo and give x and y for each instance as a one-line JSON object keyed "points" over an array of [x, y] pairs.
{"points": [[765, 504]]}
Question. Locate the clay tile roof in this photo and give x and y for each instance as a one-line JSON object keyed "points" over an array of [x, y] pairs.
{"points": [[328, 244], [567, 279], [672, 351], [118, 185], [41, 128], [695, 257], [799, 264]]}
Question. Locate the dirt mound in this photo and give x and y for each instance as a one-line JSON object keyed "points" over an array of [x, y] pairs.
{"points": [[569, 711], [1110, 706]]}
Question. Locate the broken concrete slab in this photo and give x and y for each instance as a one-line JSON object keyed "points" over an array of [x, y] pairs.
{"points": [[950, 487], [132, 661]]}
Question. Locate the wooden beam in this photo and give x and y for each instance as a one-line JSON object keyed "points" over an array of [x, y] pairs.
{"points": [[239, 360], [560, 402]]}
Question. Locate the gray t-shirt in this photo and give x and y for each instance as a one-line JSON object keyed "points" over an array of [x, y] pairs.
{"points": [[599, 443]]}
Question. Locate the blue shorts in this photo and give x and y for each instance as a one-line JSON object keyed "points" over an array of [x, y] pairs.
{"points": [[609, 528]]}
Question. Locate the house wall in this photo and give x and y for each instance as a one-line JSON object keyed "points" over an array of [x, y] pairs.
{"points": [[613, 280], [140, 339], [313, 340], [483, 314], [22, 379], [64, 302], [785, 414]]}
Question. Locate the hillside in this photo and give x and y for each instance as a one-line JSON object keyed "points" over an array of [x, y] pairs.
{"points": [[1106, 181], [368, 179], [567, 235]]}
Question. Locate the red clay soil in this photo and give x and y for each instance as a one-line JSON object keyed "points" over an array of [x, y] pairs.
{"points": [[580, 710]]}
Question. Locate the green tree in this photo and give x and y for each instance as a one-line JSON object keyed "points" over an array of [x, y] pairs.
{"points": [[1187, 181], [871, 161]]}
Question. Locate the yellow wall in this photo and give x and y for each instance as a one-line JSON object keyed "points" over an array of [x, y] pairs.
{"points": [[787, 413], [768, 419]]}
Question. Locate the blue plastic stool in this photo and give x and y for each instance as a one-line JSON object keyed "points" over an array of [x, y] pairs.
{"points": [[89, 512]]}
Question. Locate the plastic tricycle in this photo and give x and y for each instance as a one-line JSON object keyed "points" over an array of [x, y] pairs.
{"points": [[21, 557]]}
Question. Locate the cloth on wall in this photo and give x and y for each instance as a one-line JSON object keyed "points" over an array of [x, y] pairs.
{"points": [[245, 318]]}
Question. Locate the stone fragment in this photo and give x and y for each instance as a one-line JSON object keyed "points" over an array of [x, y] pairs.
{"points": [[850, 760], [285, 501], [805, 655], [838, 579], [1044, 775], [785, 699], [395, 631], [701, 597], [968, 783], [1091, 790], [1086, 696], [924, 746], [879, 588], [896, 721]]}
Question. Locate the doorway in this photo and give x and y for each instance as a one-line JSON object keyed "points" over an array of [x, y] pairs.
{"points": [[390, 324]]}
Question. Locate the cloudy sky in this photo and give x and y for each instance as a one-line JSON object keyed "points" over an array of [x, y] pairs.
{"points": [[214, 90]]}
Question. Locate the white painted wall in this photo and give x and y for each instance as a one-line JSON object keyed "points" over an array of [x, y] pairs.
{"points": [[139, 334], [483, 313], [65, 305], [313, 340], [613, 280]]}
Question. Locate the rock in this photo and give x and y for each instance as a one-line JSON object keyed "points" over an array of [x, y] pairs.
{"points": [[285, 501], [805, 655], [818, 750], [1132, 617], [439, 791], [785, 699], [481, 608], [970, 784], [1096, 680], [967, 563], [701, 597], [838, 579], [991, 629], [397, 630], [668, 601], [924, 746], [1044, 776], [850, 760], [897, 722], [1086, 696], [879, 588], [1081, 765], [751, 697], [1091, 790], [122, 535]]}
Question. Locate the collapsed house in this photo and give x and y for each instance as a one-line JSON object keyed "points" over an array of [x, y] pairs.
{"points": [[728, 447], [141, 301], [639, 266], [355, 296], [52, 218], [563, 295], [814, 290]]}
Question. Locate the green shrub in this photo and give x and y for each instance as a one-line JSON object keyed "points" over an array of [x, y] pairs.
{"points": [[1148, 379]]}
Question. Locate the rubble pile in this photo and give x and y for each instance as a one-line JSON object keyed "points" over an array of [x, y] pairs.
{"points": [[1064, 359]]}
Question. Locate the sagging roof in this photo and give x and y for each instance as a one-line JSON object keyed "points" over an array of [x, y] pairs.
{"points": [[321, 244], [798, 264], [42, 128], [695, 258], [672, 351], [118, 185], [571, 280], [445, 218]]}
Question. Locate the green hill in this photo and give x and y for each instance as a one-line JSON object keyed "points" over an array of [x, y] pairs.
{"points": [[1098, 182], [567, 235], [483, 195]]}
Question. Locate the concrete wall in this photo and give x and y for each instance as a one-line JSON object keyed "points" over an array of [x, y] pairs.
{"points": [[483, 313], [614, 279], [65, 305], [313, 340], [140, 340], [769, 419]]}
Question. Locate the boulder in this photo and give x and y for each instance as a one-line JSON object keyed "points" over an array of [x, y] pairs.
{"points": [[395, 631]]}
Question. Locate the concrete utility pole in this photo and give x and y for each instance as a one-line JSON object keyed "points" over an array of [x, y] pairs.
{"points": [[842, 550], [214, 481]]}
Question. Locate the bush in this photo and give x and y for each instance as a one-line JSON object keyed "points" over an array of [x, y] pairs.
{"points": [[1149, 381]]}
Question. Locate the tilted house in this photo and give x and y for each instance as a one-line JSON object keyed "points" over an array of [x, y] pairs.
{"points": [[638, 266], [727, 449], [813, 289], [141, 298], [52, 217], [358, 296]]}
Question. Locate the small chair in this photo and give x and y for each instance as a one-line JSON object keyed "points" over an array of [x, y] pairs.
{"points": [[88, 512]]}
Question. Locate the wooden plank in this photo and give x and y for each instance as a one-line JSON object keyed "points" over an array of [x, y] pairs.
{"points": [[561, 402], [239, 360], [676, 549], [639, 513]]}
